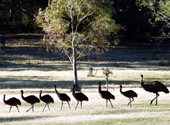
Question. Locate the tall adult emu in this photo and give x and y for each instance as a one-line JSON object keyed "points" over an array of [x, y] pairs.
{"points": [[106, 95], [62, 97], [46, 99], [31, 99], [79, 97], [129, 94], [154, 87], [12, 102]]}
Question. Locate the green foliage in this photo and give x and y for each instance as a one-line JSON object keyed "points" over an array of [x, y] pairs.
{"points": [[160, 12], [80, 24], [106, 72], [17, 15]]}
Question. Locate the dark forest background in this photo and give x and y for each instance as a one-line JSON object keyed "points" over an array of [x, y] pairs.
{"points": [[17, 16]]}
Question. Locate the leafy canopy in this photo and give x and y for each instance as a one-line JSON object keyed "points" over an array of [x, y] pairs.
{"points": [[160, 10], [83, 24]]}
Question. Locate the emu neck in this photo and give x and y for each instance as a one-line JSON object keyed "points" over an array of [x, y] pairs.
{"points": [[4, 99], [56, 91], [73, 92], [142, 83], [22, 96], [121, 90], [99, 88], [40, 95]]}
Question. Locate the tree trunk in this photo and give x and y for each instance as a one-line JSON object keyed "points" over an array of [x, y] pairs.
{"points": [[74, 63], [75, 81], [107, 83]]}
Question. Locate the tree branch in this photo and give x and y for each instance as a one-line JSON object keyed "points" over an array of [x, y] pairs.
{"points": [[88, 14], [83, 40], [68, 56]]}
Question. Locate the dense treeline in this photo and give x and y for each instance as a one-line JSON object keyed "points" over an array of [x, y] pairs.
{"points": [[139, 18], [17, 16]]}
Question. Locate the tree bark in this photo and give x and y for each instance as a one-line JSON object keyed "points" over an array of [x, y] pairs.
{"points": [[74, 63], [75, 81]]}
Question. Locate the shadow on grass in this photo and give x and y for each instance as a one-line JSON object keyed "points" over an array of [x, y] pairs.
{"points": [[21, 118], [17, 83], [39, 67]]}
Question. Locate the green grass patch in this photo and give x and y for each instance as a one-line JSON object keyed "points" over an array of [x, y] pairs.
{"points": [[129, 121]]}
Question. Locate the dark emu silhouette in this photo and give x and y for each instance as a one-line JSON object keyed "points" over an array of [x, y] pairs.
{"points": [[46, 99], [129, 94], [12, 102], [154, 87], [79, 97], [62, 97], [31, 99], [106, 95]]}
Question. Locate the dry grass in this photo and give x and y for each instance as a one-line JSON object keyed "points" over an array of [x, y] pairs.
{"points": [[94, 111], [33, 72]]}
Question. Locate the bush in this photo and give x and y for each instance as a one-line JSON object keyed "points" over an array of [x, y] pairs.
{"points": [[163, 63]]}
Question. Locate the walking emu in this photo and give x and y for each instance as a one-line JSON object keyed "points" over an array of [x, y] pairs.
{"points": [[31, 100], [46, 99], [62, 97], [79, 97], [154, 87], [129, 94], [106, 95], [12, 102]]}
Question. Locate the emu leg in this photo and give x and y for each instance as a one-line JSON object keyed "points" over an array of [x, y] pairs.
{"points": [[68, 104], [31, 108], [17, 108], [61, 105], [10, 109], [77, 104], [106, 103], [157, 94], [48, 106], [44, 107], [157, 98], [81, 104], [111, 103], [130, 101]]}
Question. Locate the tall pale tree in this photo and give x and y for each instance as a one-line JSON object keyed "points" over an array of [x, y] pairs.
{"points": [[77, 27]]}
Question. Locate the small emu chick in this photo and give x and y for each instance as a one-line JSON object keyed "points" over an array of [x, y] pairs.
{"points": [[31, 100], [46, 99], [12, 102], [129, 94], [62, 97], [106, 95], [79, 97]]}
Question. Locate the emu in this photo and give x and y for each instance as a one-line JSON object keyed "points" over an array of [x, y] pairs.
{"points": [[129, 94], [62, 97], [106, 95], [31, 100], [79, 97], [154, 87], [46, 99], [12, 102]]}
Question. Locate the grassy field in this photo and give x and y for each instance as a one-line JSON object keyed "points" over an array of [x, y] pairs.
{"points": [[33, 72]]}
